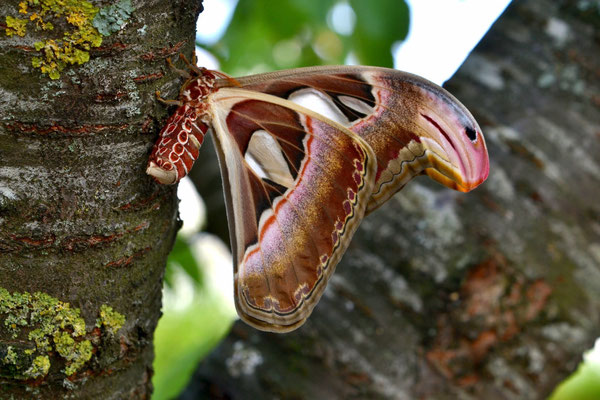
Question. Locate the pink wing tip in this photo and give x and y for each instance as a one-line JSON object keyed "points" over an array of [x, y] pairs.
{"points": [[480, 177], [481, 165]]}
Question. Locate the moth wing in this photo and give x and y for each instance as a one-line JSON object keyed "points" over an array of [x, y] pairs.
{"points": [[413, 125], [296, 186]]}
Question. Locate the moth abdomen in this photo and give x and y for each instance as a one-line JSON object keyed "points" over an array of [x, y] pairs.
{"points": [[177, 147]]}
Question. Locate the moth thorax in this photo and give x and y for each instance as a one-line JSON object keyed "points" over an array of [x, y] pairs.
{"points": [[198, 89]]}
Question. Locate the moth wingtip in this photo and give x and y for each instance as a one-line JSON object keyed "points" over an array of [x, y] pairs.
{"points": [[161, 175]]}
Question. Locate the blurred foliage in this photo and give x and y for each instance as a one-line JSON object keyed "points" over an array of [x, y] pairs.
{"points": [[194, 321], [584, 384], [182, 256], [265, 35]]}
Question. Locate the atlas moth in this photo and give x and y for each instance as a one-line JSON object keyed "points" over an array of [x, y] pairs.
{"points": [[297, 183]]}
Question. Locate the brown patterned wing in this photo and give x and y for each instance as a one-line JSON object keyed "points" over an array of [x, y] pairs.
{"points": [[412, 125], [296, 186]]}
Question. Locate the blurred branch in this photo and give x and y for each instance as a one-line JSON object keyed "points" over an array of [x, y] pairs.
{"points": [[441, 295]]}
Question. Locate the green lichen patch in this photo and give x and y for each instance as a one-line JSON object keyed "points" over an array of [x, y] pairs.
{"points": [[112, 18], [77, 353], [54, 327], [87, 25], [39, 367], [15, 26], [111, 320], [11, 356], [74, 45], [16, 308]]}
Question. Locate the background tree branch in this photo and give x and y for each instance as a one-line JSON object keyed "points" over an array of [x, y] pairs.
{"points": [[442, 295]]}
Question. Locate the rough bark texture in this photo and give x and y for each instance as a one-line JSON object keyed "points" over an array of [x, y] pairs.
{"points": [[442, 295], [80, 221]]}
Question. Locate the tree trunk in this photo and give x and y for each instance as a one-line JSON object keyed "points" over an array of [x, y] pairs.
{"points": [[84, 233], [442, 295]]}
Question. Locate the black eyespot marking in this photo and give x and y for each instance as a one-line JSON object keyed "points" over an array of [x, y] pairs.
{"points": [[471, 134]]}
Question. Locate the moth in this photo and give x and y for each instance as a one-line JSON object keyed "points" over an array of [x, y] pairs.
{"points": [[297, 182]]}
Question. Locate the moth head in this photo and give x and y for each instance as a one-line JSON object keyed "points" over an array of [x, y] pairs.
{"points": [[454, 141]]}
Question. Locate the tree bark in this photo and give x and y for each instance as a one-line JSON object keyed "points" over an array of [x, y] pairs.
{"points": [[442, 295], [84, 233]]}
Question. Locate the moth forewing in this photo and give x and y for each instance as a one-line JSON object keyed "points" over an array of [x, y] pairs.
{"points": [[266, 311]]}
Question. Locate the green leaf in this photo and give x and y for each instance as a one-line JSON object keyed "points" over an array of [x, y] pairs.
{"points": [[378, 25], [583, 384], [182, 256], [266, 35], [181, 340], [195, 319]]}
